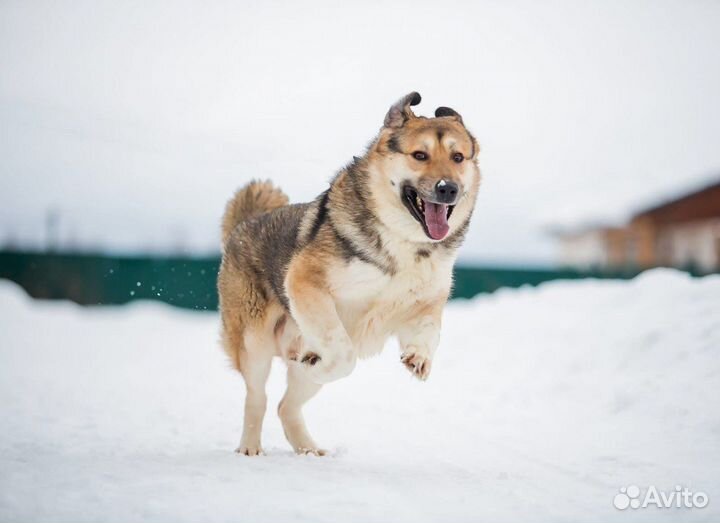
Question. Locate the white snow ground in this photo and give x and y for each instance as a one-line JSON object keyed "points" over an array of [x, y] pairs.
{"points": [[542, 404]]}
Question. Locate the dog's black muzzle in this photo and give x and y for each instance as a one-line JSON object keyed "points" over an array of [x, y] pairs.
{"points": [[446, 192]]}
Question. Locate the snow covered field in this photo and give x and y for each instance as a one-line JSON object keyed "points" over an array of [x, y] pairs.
{"points": [[542, 404]]}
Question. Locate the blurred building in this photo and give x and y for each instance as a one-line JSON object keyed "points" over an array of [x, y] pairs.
{"points": [[683, 233]]}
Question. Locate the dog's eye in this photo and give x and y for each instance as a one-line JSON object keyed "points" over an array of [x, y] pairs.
{"points": [[458, 157], [420, 156]]}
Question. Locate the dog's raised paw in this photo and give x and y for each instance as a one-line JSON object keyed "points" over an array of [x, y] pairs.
{"points": [[250, 450], [310, 358], [417, 364]]}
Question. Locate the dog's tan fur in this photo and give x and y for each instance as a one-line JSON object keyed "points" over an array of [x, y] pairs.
{"points": [[324, 283]]}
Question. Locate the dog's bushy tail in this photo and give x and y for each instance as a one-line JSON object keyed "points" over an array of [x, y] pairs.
{"points": [[251, 200]]}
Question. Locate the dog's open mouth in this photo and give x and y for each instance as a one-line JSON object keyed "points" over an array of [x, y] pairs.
{"points": [[432, 216]]}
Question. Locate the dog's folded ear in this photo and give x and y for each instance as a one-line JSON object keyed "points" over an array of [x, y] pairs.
{"points": [[446, 111], [400, 112]]}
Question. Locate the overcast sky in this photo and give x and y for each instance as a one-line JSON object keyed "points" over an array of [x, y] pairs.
{"points": [[136, 120]]}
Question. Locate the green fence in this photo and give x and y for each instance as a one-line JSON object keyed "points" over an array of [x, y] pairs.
{"points": [[190, 282], [100, 279]]}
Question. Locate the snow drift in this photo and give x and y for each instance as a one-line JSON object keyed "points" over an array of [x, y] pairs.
{"points": [[542, 404]]}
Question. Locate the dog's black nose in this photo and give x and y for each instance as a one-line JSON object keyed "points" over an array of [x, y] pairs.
{"points": [[446, 192]]}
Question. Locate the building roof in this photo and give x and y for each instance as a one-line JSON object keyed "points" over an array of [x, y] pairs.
{"points": [[701, 204]]}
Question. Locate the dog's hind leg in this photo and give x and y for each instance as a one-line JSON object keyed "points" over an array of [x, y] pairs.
{"points": [[299, 390], [255, 367]]}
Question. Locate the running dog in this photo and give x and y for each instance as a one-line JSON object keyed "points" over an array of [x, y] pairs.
{"points": [[322, 284]]}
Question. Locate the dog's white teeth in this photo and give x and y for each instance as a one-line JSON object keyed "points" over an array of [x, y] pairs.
{"points": [[419, 202]]}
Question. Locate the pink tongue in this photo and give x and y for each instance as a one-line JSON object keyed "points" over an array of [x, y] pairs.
{"points": [[436, 220]]}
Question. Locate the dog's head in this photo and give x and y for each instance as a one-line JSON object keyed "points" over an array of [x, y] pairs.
{"points": [[426, 172]]}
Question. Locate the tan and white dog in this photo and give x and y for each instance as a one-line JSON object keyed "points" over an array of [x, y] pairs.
{"points": [[322, 284]]}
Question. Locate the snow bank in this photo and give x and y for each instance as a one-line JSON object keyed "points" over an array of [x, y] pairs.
{"points": [[543, 402]]}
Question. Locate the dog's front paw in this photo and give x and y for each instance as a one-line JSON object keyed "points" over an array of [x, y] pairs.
{"points": [[417, 363], [310, 358]]}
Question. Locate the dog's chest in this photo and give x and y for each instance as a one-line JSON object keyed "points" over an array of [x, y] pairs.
{"points": [[360, 282], [372, 305]]}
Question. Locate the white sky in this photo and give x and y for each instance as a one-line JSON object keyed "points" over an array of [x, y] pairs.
{"points": [[136, 120]]}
